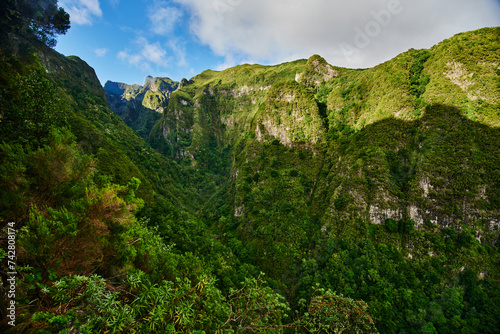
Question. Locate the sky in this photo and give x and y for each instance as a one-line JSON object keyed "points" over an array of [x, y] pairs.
{"points": [[126, 40]]}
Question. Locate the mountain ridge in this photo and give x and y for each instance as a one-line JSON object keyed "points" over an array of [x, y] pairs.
{"points": [[139, 106], [346, 100]]}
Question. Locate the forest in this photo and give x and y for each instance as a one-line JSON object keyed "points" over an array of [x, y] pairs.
{"points": [[296, 198]]}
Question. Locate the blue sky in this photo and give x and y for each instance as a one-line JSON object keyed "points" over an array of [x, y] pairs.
{"points": [[125, 40]]}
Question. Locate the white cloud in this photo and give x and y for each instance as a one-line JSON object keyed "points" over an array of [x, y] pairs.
{"points": [[163, 18], [147, 54], [100, 52], [82, 12], [152, 52], [134, 59], [357, 33], [179, 50]]}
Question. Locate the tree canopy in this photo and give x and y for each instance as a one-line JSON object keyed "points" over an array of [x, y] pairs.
{"points": [[41, 19]]}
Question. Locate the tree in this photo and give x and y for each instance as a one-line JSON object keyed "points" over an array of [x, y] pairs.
{"points": [[73, 223], [256, 308], [331, 313], [30, 111], [429, 328], [41, 19]]}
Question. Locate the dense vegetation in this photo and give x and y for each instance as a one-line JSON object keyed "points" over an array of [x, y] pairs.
{"points": [[42, 20], [293, 198], [140, 106]]}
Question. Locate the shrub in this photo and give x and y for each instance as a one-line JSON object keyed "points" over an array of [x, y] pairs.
{"points": [[391, 225]]}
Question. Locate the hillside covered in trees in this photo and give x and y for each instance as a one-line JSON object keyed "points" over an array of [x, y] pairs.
{"points": [[296, 198]]}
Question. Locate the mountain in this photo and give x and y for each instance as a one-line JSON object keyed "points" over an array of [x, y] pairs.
{"points": [[301, 197], [413, 138], [140, 106], [309, 149]]}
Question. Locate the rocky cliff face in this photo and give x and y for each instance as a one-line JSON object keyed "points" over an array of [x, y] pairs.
{"points": [[404, 140], [140, 106]]}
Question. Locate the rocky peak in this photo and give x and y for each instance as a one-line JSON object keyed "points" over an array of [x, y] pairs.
{"points": [[317, 71], [116, 88], [137, 104]]}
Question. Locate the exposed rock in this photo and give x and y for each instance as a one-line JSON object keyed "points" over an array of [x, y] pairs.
{"points": [[291, 116], [459, 75], [425, 185], [378, 216], [415, 215], [140, 106], [239, 211], [317, 71]]}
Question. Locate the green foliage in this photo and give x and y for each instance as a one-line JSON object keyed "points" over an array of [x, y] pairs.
{"points": [[13, 182], [256, 308], [140, 107], [391, 225], [340, 203], [178, 306], [46, 20], [418, 81], [50, 174], [265, 168], [65, 210], [330, 313], [291, 115], [401, 171], [403, 293], [42, 20], [31, 110]]}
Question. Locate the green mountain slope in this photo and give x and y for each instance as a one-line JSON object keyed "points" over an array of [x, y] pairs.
{"points": [[389, 127], [411, 144], [140, 106]]}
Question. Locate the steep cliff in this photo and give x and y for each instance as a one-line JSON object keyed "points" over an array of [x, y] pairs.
{"points": [[140, 106], [414, 138]]}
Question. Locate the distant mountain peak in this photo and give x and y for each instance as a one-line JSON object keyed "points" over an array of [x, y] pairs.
{"points": [[140, 106]]}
